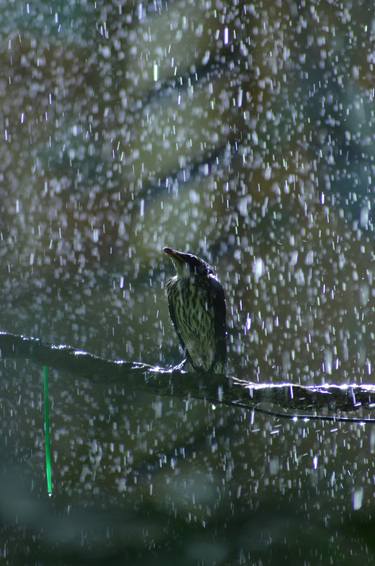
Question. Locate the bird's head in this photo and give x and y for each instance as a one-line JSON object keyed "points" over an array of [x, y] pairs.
{"points": [[186, 264]]}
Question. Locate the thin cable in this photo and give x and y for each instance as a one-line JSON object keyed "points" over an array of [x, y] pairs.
{"points": [[297, 416]]}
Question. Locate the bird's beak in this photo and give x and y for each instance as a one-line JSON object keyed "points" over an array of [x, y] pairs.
{"points": [[174, 254], [177, 257]]}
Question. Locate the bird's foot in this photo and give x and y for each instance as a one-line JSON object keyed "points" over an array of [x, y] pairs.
{"points": [[180, 366]]}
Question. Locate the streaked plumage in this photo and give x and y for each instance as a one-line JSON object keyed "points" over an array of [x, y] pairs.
{"points": [[197, 308]]}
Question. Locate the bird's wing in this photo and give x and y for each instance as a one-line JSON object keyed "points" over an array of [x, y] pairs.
{"points": [[218, 299]]}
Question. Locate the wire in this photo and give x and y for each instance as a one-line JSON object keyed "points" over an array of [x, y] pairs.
{"points": [[297, 416]]}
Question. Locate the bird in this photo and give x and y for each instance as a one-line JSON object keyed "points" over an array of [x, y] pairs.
{"points": [[197, 308]]}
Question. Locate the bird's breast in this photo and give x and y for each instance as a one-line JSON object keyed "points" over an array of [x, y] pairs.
{"points": [[194, 319]]}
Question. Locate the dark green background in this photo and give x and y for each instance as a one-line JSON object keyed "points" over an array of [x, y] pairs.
{"points": [[243, 133]]}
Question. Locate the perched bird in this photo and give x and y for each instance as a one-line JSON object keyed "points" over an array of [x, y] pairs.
{"points": [[197, 308]]}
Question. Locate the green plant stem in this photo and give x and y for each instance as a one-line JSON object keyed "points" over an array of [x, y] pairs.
{"points": [[47, 438]]}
